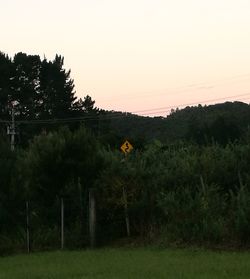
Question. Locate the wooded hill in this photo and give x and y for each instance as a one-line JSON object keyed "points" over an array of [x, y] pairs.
{"points": [[219, 123]]}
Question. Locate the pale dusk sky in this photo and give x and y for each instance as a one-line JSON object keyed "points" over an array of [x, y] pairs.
{"points": [[139, 55]]}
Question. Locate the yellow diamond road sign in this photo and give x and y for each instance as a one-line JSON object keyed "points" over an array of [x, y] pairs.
{"points": [[126, 147]]}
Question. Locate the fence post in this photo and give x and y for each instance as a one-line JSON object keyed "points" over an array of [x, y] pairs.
{"points": [[62, 224], [27, 227], [81, 204], [92, 218], [125, 201]]}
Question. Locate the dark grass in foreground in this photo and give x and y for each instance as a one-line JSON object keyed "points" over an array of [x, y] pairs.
{"points": [[125, 263]]}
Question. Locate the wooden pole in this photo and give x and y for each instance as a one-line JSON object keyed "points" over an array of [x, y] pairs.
{"points": [[92, 218], [81, 203], [62, 224], [13, 132], [27, 227], [125, 201]]}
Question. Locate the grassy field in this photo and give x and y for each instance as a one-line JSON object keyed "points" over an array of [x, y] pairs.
{"points": [[125, 263]]}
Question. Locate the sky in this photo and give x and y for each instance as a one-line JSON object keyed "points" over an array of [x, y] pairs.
{"points": [[142, 56]]}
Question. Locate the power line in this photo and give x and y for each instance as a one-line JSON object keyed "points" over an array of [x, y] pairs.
{"points": [[116, 115], [186, 88], [190, 104]]}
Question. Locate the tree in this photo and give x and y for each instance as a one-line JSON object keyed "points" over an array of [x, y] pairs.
{"points": [[223, 130], [26, 85], [6, 76], [56, 160], [87, 105], [56, 90], [36, 89], [86, 108]]}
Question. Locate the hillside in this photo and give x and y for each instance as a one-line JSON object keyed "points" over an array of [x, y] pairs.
{"points": [[220, 122]]}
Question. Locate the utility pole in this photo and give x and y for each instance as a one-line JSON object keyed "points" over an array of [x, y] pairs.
{"points": [[11, 130]]}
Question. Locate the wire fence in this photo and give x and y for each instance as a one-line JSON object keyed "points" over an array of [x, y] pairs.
{"points": [[65, 223]]}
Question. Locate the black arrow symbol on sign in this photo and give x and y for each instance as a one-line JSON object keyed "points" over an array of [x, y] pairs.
{"points": [[127, 147]]}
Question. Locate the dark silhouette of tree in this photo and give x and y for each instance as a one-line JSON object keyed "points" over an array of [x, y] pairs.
{"points": [[36, 90], [6, 91], [26, 85], [223, 130], [56, 89], [87, 105]]}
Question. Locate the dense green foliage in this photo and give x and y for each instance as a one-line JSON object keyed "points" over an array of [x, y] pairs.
{"points": [[128, 263], [200, 124], [174, 193], [186, 181]]}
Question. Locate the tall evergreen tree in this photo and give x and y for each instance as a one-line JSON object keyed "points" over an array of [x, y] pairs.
{"points": [[56, 89], [26, 85], [36, 89], [6, 74]]}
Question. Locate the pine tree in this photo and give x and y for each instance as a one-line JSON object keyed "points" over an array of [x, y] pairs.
{"points": [[5, 84], [57, 93], [26, 85]]}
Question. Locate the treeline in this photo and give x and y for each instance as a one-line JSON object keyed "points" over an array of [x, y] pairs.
{"points": [[219, 123], [186, 181], [40, 91]]}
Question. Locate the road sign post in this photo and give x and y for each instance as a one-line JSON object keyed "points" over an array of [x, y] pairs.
{"points": [[126, 148]]}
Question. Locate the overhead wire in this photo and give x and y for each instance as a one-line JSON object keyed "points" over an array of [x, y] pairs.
{"points": [[117, 115], [190, 88], [193, 103], [186, 88]]}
